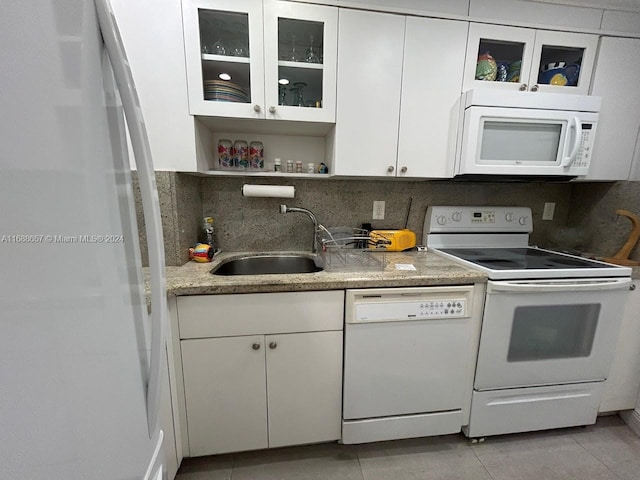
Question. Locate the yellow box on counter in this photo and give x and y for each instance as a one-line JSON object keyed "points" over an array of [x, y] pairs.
{"points": [[402, 239]]}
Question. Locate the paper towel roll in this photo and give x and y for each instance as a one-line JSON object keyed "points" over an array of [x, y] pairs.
{"points": [[268, 191]]}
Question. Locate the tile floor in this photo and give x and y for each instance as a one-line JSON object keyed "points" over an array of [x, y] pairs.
{"points": [[606, 450]]}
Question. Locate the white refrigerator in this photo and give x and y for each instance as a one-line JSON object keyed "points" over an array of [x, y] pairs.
{"points": [[80, 357]]}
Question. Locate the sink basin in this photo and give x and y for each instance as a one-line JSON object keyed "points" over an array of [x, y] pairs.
{"points": [[267, 264]]}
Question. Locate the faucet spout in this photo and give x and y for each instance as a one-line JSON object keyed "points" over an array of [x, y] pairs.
{"points": [[285, 209]]}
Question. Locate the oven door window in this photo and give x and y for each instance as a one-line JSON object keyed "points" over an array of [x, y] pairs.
{"points": [[524, 142], [544, 332]]}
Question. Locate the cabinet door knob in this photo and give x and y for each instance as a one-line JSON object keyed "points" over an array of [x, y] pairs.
{"points": [[273, 345], [403, 169], [272, 109], [390, 169], [535, 88], [632, 286], [256, 346], [523, 87], [256, 108]]}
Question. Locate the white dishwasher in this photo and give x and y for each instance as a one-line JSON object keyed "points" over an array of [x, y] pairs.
{"points": [[409, 361]]}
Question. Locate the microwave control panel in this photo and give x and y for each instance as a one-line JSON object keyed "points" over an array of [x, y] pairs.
{"points": [[583, 157]]}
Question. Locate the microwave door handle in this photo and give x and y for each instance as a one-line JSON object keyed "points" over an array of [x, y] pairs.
{"points": [[577, 124]]}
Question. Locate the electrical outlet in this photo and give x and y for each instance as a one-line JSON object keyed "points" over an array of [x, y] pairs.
{"points": [[549, 210], [378, 210]]}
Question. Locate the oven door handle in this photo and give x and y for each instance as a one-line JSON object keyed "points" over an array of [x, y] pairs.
{"points": [[538, 286]]}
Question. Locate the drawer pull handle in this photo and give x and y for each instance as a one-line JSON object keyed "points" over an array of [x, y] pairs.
{"points": [[256, 346], [273, 345]]}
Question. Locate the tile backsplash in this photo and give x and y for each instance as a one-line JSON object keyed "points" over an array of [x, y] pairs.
{"points": [[256, 224], [245, 224]]}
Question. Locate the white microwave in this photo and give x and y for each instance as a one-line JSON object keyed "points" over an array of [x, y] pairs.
{"points": [[525, 133]]}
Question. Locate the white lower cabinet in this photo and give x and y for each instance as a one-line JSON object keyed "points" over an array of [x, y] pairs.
{"points": [[261, 370], [224, 386], [623, 383], [304, 387]]}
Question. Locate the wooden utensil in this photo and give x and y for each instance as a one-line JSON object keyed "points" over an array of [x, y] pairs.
{"points": [[622, 257]]}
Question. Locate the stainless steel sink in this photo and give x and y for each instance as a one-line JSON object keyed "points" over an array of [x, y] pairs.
{"points": [[267, 264]]}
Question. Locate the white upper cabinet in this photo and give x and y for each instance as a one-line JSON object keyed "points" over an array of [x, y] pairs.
{"points": [[514, 58], [161, 84], [300, 51], [369, 84], [616, 81], [224, 57], [246, 63], [431, 82], [399, 79]]}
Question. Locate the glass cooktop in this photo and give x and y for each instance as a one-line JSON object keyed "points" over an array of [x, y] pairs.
{"points": [[521, 259]]}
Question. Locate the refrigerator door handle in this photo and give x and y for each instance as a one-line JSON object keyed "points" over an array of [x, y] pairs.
{"points": [[150, 203], [155, 467]]}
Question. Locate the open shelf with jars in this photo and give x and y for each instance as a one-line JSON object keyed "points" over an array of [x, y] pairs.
{"points": [[220, 143]]}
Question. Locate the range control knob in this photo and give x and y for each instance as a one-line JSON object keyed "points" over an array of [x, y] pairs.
{"points": [[441, 220], [508, 217], [522, 220], [456, 217]]}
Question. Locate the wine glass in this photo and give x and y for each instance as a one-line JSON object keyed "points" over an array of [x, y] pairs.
{"points": [[217, 46], [294, 54], [240, 46], [282, 94], [298, 89], [311, 56]]}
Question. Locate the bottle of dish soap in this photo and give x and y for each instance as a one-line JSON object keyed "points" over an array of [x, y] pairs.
{"points": [[207, 232]]}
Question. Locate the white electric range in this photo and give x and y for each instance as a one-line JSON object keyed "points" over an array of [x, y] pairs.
{"points": [[550, 322]]}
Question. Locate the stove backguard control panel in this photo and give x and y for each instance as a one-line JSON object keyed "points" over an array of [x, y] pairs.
{"points": [[467, 219]]}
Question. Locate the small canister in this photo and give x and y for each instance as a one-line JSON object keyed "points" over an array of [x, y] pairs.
{"points": [[241, 154], [289, 166], [225, 153], [277, 165], [311, 167], [256, 155], [298, 166]]}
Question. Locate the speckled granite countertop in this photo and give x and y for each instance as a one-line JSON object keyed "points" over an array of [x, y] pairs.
{"points": [[431, 269]]}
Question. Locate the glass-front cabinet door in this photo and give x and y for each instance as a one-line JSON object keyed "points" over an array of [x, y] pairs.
{"points": [[300, 52], [224, 57], [563, 60], [531, 60], [498, 57]]}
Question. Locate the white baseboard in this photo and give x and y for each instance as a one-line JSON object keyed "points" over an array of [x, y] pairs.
{"points": [[632, 418]]}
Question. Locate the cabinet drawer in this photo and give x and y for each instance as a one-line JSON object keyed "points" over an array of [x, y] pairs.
{"points": [[259, 313]]}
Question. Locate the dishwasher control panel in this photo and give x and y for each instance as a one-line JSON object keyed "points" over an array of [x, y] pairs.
{"points": [[403, 311], [406, 304]]}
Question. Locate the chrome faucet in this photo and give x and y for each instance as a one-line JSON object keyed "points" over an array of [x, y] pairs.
{"points": [[285, 209]]}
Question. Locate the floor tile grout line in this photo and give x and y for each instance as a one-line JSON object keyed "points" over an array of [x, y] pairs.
{"points": [[573, 437], [359, 464], [473, 450], [233, 466]]}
